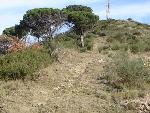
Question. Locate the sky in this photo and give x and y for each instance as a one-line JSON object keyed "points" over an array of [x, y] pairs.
{"points": [[12, 11]]}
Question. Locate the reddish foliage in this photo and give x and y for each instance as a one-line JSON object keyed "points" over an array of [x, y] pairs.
{"points": [[16, 45], [12, 44], [36, 46]]}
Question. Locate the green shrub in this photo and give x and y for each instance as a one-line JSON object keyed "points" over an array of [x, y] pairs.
{"points": [[72, 41], [50, 45], [115, 45], [90, 46], [110, 39], [104, 48], [119, 46], [124, 47], [140, 46], [124, 40], [89, 42], [67, 42], [20, 64], [90, 36], [118, 36], [134, 48], [98, 32], [127, 73], [83, 49]]}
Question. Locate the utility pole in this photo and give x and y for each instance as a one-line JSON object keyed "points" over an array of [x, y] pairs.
{"points": [[107, 9]]}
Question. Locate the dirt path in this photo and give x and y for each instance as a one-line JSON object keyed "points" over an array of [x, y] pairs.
{"points": [[68, 86]]}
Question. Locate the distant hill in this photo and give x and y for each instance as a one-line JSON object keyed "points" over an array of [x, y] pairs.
{"points": [[129, 33]]}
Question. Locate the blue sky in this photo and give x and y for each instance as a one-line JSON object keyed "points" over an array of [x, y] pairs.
{"points": [[12, 11]]}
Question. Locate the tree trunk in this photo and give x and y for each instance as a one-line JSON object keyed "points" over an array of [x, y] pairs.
{"points": [[38, 39], [82, 40]]}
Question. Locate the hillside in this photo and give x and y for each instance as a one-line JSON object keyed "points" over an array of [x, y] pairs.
{"points": [[90, 81], [71, 80]]}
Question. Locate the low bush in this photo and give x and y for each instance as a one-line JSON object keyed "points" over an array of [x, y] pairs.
{"points": [[104, 48], [140, 46], [68, 40], [89, 40], [71, 40], [110, 40], [83, 49], [20, 64], [127, 73], [131, 35], [115, 45], [125, 41]]}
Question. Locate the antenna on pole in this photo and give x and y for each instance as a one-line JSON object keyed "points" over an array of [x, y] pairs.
{"points": [[107, 9]]}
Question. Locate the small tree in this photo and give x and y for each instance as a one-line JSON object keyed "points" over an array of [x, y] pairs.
{"points": [[83, 20], [17, 31], [10, 31], [43, 22], [20, 31]]}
